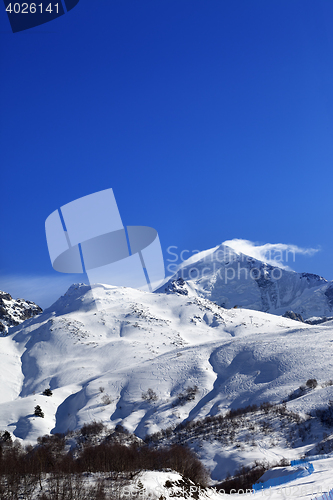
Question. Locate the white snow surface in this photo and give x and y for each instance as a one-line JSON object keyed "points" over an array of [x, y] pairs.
{"points": [[98, 363]]}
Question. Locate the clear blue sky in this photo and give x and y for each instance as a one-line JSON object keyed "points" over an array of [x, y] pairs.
{"points": [[210, 119]]}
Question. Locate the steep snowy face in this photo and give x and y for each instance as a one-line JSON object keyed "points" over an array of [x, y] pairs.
{"points": [[231, 279], [13, 312]]}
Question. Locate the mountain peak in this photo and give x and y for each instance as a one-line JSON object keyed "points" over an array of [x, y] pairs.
{"points": [[228, 278]]}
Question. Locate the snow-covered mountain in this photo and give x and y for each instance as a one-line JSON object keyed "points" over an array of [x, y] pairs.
{"points": [[230, 279], [152, 361], [13, 312]]}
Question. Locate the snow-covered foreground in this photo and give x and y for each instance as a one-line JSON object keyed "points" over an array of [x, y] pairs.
{"points": [[154, 484], [305, 487], [100, 363], [169, 485]]}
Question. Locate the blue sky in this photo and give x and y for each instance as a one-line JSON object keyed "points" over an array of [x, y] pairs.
{"points": [[211, 120]]}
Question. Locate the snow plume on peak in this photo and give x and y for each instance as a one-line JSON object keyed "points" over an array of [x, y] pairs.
{"points": [[275, 254]]}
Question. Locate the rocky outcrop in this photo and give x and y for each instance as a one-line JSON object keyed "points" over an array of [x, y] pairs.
{"points": [[177, 286], [294, 316], [15, 311]]}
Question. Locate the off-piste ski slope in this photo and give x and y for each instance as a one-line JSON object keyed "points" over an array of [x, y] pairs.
{"points": [[100, 362]]}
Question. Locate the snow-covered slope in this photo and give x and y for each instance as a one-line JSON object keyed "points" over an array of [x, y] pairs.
{"points": [[13, 312], [196, 358], [230, 279]]}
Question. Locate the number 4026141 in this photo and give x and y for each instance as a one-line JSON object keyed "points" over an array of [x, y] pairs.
{"points": [[31, 8]]}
